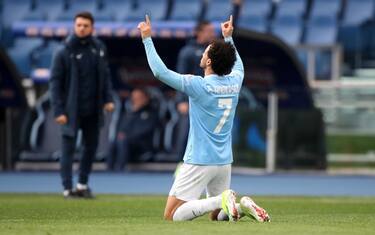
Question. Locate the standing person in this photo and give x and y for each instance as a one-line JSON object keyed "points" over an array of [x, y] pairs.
{"points": [[208, 156], [80, 88], [190, 55]]}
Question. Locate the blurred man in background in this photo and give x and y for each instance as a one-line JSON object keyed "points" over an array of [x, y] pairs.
{"points": [[190, 55], [80, 88], [135, 136]]}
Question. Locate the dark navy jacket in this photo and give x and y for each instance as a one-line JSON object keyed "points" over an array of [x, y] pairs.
{"points": [[140, 125], [63, 84]]}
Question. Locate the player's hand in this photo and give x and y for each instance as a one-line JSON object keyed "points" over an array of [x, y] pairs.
{"points": [[145, 28], [227, 27], [109, 107], [62, 119]]}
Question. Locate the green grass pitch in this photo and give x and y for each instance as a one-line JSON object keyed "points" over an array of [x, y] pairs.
{"points": [[122, 214]]}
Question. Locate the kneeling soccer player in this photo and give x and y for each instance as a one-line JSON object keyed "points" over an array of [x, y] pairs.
{"points": [[208, 155]]}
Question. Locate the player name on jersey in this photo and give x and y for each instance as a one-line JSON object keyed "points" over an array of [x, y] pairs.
{"points": [[229, 89]]}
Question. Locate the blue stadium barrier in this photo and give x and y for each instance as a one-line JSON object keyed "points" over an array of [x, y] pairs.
{"points": [[165, 29]]}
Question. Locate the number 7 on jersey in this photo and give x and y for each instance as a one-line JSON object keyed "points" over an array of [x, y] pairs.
{"points": [[225, 104]]}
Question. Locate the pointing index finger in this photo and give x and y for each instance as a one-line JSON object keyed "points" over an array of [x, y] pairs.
{"points": [[148, 20], [231, 19]]}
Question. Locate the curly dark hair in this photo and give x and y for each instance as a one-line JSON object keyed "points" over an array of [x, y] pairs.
{"points": [[223, 56]]}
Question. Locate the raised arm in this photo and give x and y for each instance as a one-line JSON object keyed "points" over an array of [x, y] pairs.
{"points": [[227, 31], [160, 71]]}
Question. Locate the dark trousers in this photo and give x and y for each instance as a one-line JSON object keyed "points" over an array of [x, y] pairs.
{"points": [[90, 135], [127, 150]]}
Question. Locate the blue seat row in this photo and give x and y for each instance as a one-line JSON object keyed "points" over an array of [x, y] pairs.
{"points": [[317, 22]]}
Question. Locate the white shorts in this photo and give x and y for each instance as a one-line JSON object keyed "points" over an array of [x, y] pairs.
{"points": [[192, 180]]}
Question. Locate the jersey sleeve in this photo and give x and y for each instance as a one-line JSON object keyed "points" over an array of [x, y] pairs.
{"points": [[238, 69], [159, 69], [192, 85], [189, 84]]}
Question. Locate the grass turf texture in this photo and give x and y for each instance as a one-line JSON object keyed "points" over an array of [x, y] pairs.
{"points": [[120, 214]]}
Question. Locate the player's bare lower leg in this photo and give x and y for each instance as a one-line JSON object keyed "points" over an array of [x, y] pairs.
{"points": [[178, 210], [172, 204]]}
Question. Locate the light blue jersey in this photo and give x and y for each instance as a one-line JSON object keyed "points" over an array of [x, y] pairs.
{"points": [[212, 104]]}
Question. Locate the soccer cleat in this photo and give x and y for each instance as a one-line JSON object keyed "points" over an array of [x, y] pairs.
{"points": [[84, 193], [249, 208], [69, 194], [228, 204]]}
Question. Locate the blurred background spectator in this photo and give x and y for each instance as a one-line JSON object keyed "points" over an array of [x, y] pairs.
{"points": [[134, 142]]}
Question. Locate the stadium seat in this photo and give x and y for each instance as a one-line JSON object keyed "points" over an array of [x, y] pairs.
{"points": [[42, 57], [288, 28], [77, 6], [83, 5], [358, 11], [291, 8], [117, 10], [108, 131], [321, 31], [45, 138], [157, 10], [218, 10], [351, 34], [256, 23], [254, 15], [14, 10], [186, 10], [45, 10], [325, 8], [104, 16], [174, 140], [256, 8], [21, 53]]}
